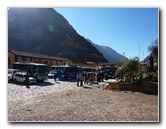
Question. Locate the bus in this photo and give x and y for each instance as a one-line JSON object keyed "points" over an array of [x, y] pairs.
{"points": [[65, 72], [110, 71], [88, 69], [39, 71]]}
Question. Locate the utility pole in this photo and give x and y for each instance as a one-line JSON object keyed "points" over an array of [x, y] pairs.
{"points": [[139, 52], [139, 57]]}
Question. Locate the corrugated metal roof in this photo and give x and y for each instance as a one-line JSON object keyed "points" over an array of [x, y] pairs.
{"points": [[20, 53]]}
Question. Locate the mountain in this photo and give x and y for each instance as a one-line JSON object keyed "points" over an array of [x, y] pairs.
{"points": [[110, 54], [44, 31]]}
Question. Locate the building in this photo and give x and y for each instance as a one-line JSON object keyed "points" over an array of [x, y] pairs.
{"points": [[150, 62], [18, 56]]}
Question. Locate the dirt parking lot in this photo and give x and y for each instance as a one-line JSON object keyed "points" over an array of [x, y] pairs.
{"points": [[64, 101]]}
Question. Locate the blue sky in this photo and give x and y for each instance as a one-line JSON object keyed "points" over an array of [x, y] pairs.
{"points": [[122, 29]]}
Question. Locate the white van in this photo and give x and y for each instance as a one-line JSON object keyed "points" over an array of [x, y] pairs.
{"points": [[11, 73]]}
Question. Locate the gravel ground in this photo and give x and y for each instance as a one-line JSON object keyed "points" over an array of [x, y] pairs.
{"points": [[64, 101]]}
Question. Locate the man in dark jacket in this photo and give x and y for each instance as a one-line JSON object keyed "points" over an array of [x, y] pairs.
{"points": [[27, 81]]}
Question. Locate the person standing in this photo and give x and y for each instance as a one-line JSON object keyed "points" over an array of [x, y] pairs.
{"points": [[81, 78], [85, 77], [106, 76], [55, 77], [78, 79], [98, 76], [102, 76], [27, 81]]}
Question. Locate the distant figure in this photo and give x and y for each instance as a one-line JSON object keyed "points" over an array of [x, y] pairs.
{"points": [[92, 78], [98, 76], [85, 77], [81, 78], [106, 76], [55, 77], [102, 76], [78, 79], [27, 81]]}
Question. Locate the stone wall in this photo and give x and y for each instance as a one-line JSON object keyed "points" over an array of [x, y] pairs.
{"points": [[148, 88]]}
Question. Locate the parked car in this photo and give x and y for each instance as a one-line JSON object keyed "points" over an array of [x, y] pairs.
{"points": [[51, 74], [21, 77], [11, 73]]}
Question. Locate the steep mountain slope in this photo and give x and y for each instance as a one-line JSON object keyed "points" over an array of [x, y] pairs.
{"points": [[44, 31], [110, 54]]}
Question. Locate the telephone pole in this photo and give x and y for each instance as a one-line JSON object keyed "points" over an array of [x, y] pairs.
{"points": [[139, 57], [139, 52]]}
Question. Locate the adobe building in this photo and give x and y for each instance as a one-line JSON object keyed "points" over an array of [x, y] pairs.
{"points": [[18, 56]]}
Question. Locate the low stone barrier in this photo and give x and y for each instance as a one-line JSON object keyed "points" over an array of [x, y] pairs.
{"points": [[148, 88]]}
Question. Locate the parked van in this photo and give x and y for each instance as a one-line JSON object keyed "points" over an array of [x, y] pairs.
{"points": [[11, 73]]}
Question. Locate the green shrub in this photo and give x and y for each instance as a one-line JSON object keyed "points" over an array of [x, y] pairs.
{"points": [[139, 78], [150, 76]]}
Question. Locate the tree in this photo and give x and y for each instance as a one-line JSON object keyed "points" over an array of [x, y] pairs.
{"points": [[131, 68], [154, 47], [120, 70]]}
